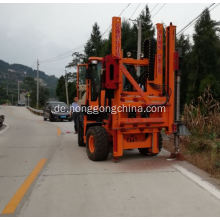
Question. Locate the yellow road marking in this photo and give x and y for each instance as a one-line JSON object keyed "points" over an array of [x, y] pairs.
{"points": [[16, 199], [58, 132]]}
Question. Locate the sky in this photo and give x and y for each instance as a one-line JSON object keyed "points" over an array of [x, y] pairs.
{"points": [[51, 32]]}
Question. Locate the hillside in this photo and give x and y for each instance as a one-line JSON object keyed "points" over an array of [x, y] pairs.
{"points": [[11, 73]]}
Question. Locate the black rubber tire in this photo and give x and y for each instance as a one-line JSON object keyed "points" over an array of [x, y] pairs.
{"points": [[80, 134], [148, 151], [100, 142], [45, 119]]}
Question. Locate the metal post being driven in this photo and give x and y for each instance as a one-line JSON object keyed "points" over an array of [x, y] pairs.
{"points": [[177, 110], [175, 154]]}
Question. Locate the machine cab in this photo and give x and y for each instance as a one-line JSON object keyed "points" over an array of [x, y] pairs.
{"points": [[81, 83], [93, 76]]}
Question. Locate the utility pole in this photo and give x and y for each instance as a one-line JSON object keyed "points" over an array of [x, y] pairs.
{"points": [[12, 99], [66, 85], [18, 90], [139, 45], [37, 84]]}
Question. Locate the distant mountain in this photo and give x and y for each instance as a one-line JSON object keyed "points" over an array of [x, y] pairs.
{"points": [[11, 73]]}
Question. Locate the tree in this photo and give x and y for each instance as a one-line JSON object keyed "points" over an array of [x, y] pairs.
{"points": [[30, 85], [205, 56], [77, 59], [61, 89], [148, 30], [185, 47], [3, 95], [93, 46], [72, 91], [43, 95], [106, 46], [130, 32], [129, 39]]}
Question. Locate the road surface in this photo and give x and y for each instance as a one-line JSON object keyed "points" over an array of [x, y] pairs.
{"points": [[43, 172]]}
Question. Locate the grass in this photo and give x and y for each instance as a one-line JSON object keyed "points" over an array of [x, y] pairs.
{"points": [[202, 148], [202, 152]]}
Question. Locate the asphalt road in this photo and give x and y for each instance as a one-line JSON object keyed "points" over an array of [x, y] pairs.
{"points": [[45, 173]]}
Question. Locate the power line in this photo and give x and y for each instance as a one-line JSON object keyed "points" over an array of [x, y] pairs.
{"points": [[118, 16], [138, 6], [214, 7], [124, 9], [143, 10], [55, 57], [193, 20], [154, 7], [159, 10], [69, 52], [139, 13], [151, 10], [61, 56], [106, 30]]}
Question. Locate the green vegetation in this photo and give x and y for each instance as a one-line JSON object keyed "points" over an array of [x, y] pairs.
{"points": [[202, 117], [200, 64], [30, 85], [61, 89], [201, 60], [94, 45], [10, 74], [200, 92], [200, 81]]}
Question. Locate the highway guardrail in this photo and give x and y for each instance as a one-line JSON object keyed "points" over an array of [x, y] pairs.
{"points": [[35, 111]]}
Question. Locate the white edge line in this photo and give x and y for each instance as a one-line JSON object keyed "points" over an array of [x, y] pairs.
{"points": [[201, 182], [5, 129]]}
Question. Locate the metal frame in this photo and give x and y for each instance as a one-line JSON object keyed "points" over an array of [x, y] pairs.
{"points": [[138, 132]]}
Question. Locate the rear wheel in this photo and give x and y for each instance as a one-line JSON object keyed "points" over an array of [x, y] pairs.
{"points": [[97, 143], [80, 133], [148, 151]]}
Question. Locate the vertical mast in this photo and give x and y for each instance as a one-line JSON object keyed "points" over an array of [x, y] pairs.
{"points": [[116, 37]]}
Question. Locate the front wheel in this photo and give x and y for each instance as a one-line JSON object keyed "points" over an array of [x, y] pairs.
{"points": [[97, 143], [80, 133]]}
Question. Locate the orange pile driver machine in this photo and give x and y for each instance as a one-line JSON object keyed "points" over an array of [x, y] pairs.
{"points": [[123, 109]]}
